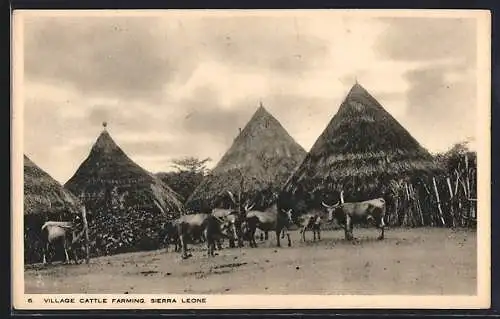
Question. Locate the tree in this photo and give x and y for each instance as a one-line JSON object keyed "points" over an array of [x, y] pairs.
{"points": [[191, 164], [189, 173]]}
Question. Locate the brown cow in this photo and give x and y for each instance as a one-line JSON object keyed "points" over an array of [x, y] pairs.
{"points": [[348, 214]]}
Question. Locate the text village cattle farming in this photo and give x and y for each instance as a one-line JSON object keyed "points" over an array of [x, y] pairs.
{"points": [[250, 152]]}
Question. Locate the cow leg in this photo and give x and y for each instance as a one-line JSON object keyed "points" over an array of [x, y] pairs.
{"points": [[253, 243], [65, 247], [66, 256], [348, 228], [287, 236], [183, 247], [381, 226], [219, 244], [319, 234], [278, 238], [45, 250], [75, 256], [266, 235], [303, 231]]}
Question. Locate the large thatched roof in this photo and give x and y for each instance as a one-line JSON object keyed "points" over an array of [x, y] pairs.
{"points": [[108, 172], [261, 159], [361, 150], [43, 195]]}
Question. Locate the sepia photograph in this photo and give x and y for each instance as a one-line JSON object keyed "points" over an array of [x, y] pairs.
{"points": [[251, 159]]}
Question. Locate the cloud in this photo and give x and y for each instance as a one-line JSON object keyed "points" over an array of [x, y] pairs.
{"points": [[182, 85], [433, 98], [441, 86], [125, 57], [424, 39]]}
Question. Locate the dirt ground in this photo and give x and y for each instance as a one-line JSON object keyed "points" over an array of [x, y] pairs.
{"points": [[414, 261]]}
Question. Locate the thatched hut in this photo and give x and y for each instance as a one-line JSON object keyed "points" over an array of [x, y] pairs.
{"points": [[129, 204], [365, 153], [253, 169], [44, 199]]}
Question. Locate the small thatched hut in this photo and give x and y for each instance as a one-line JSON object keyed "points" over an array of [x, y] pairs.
{"points": [[129, 204], [44, 199], [365, 153], [254, 168]]}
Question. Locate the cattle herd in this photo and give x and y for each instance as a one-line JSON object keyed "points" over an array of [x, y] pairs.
{"points": [[238, 226]]}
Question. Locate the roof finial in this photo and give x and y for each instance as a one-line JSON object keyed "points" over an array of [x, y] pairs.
{"points": [[355, 80], [260, 103], [104, 124]]}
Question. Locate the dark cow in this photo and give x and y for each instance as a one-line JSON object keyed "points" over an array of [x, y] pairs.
{"points": [[63, 233], [348, 214], [171, 235], [201, 225], [234, 219], [279, 222]]}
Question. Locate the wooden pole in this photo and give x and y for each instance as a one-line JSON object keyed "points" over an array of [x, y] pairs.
{"points": [[86, 229], [408, 205], [417, 204], [438, 201], [467, 175], [452, 213]]}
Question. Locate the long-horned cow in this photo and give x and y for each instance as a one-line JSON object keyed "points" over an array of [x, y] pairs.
{"points": [[277, 221], [198, 225], [348, 214], [63, 233]]}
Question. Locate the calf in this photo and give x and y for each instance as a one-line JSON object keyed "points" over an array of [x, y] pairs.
{"points": [[310, 221], [348, 214], [198, 225], [279, 222], [54, 232]]}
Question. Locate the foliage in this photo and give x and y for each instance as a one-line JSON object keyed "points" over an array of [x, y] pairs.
{"points": [[189, 173]]}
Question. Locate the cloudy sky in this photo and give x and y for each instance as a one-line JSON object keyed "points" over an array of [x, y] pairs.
{"points": [[174, 85]]}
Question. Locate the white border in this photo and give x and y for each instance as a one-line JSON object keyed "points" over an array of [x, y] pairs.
{"points": [[482, 300]]}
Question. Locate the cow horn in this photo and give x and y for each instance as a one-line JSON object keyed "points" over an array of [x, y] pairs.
{"points": [[325, 205], [247, 208]]}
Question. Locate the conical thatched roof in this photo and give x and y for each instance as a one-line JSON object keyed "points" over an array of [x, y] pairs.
{"points": [[109, 172], [261, 159], [43, 195], [361, 151]]}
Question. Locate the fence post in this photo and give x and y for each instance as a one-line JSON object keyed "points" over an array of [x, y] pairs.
{"points": [[438, 201], [452, 210]]}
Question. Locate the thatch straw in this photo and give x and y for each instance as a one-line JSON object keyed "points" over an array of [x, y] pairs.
{"points": [[43, 195], [259, 162], [44, 199], [363, 151], [107, 169]]}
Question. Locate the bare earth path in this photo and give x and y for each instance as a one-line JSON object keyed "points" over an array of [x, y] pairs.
{"points": [[415, 261]]}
